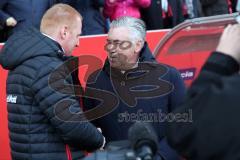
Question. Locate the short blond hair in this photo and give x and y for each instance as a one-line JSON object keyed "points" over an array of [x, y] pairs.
{"points": [[57, 15]]}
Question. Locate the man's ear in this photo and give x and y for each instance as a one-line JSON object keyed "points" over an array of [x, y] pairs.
{"points": [[64, 32], [138, 46]]}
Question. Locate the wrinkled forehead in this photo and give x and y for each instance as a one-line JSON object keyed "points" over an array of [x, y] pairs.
{"points": [[119, 34]]}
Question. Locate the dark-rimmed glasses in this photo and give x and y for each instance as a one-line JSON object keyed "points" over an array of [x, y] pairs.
{"points": [[112, 45]]}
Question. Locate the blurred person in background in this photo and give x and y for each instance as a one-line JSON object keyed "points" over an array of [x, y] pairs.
{"points": [[93, 20], [163, 14], [214, 7], [194, 8], [114, 9], [16, 15]]}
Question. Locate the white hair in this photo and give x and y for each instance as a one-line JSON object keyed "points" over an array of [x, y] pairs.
{"points": [[136, 27]]}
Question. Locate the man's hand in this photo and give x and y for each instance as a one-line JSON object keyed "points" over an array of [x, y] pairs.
{"points": [[229, 43], [11, 22]]}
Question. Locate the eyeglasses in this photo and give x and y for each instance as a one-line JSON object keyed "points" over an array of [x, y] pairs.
{"points": [[112, 45]]}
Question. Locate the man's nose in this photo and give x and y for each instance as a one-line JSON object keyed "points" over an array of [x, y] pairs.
{"points": [[115, 49], [112, 51]]}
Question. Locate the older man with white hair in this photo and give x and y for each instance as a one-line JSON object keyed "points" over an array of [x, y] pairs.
{"points": [[144, 89]]}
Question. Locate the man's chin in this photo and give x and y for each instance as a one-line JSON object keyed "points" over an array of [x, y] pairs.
{"points": [[68, 53], [115, 65]]}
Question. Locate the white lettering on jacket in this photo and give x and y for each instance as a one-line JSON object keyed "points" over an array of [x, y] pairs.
{"points": [[11, 99]]}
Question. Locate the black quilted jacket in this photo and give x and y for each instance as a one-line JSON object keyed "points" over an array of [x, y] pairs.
{"points": [[37, 128]]}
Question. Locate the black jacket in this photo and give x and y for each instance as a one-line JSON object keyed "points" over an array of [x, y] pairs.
{"points": [[214, 101], [115, 124], [36, 132], [214, 7], [153, 15], [93, 21]]}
